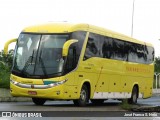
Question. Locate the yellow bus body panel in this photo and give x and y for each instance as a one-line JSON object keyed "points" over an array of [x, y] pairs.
{"points": [[107, 78]]}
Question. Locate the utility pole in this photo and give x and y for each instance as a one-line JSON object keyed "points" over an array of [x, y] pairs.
{"points": [[132, 19]]}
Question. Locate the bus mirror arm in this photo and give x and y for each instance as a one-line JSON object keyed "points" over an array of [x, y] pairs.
{"points": [[7, 44], [66, 46]]}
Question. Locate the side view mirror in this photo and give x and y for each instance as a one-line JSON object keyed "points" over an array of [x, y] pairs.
{"points": [[66, 46], [7, 44]]}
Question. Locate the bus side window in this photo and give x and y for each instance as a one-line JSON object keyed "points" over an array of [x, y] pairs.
{"points": [[118, 48], [71, 59], [132, 55], [107, 48], [150, 55], [92, 49], [140, 54], [145, 53]]}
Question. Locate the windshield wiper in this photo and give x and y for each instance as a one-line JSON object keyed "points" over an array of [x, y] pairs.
{"points": [[30, 59], [42, 63]]}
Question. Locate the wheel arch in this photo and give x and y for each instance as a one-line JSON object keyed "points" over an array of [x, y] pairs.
{"points": [[88, 84], [137, 86], [88, 87]]}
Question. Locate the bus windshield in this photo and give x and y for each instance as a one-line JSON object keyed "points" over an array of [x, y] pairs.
{"points": [[39, 55]]}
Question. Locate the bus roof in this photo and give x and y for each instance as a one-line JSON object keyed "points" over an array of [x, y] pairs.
{"points": [[66, 28]]}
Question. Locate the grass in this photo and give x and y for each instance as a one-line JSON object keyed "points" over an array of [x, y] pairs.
{"points": [[125, 105]]}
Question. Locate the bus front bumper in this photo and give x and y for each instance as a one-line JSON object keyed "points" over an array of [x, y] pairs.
{"points": [[55, 92]]}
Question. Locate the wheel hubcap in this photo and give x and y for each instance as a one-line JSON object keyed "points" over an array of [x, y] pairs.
{"points": [[83, 95], [134, 97]]}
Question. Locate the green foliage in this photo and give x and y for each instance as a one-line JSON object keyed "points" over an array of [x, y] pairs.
{"points": [[5, 67], [157, 65], [125, 105]]}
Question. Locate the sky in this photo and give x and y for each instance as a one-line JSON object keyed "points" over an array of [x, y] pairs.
{"points": [[115, 15]]}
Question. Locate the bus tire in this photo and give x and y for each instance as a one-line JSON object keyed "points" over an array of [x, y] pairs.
{"points": [[134, 96], [97, 101], [38, 101], [84, 97]]}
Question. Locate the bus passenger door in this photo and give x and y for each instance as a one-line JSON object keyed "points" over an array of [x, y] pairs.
{"points": [[89, 67], [89, 71]]}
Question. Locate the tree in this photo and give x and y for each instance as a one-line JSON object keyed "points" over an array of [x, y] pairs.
{"points": [[7, 59], [157, 65], [5, 68]]}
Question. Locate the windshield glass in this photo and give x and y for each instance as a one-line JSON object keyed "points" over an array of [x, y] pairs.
{"points": [[39, 55]]}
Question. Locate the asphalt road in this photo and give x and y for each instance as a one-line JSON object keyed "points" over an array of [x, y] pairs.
{"points": [[109, 105], [153, 101], [111, 108]]}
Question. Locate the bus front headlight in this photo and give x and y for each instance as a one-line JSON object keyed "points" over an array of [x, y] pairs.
{"points": [[57, 83]]}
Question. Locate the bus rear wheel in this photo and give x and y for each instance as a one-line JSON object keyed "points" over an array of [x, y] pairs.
{"points": [[84, 97], [38, 101], [134, 96]]}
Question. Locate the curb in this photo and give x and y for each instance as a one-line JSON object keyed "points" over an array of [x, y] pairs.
{"points": [[15, 99], [5, 96], [146, 109]]}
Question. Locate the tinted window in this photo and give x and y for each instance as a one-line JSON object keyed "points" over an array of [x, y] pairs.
{"points": [[150, 55], [112, 48], [74, 51], [107, 47], [118, 49], [132, 54], [71, 60], [92, 47], [140, 53]]}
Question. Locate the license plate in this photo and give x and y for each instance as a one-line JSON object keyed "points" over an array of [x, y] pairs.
{"points": [[32, 92]]}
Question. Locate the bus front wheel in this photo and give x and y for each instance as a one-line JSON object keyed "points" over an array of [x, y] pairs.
{"points": [[38, 101], [84, 97]]}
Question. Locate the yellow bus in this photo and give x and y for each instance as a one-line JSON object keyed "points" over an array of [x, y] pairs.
{"points": [[80, 62]]}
